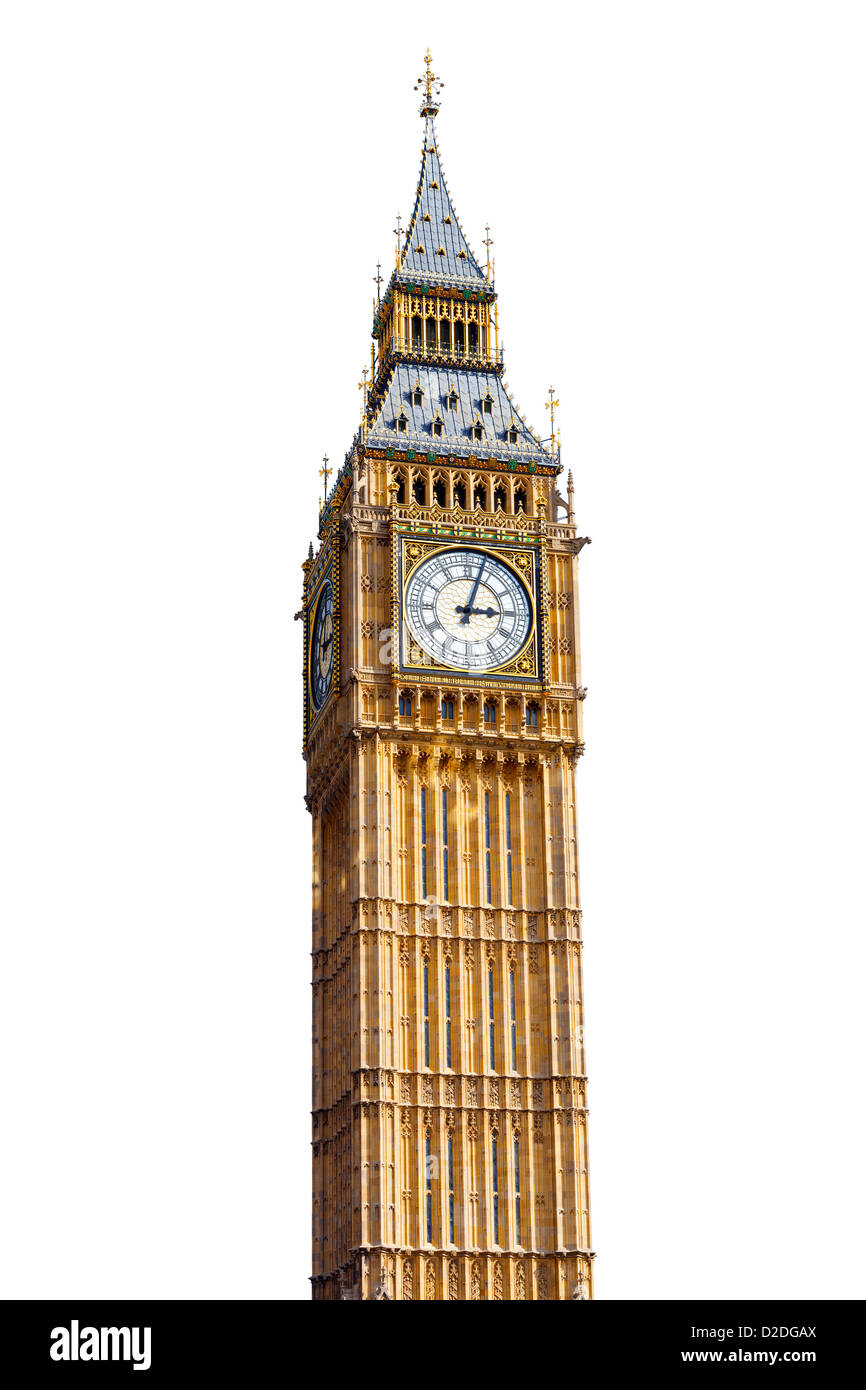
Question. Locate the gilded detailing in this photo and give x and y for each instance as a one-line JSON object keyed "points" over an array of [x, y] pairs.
{"points": [[449, 1108]]}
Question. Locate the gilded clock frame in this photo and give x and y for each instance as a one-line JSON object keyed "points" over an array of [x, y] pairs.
{"points": [[319, 572], [526, 561]]}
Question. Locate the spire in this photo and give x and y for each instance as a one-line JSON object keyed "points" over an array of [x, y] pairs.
{"points": [[435, 249]]}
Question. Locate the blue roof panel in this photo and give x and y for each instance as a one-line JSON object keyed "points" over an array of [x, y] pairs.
{"points": [[446, 252], [471, 388]]}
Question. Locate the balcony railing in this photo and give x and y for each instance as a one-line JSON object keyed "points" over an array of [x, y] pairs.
{"points": [[442, 352]]}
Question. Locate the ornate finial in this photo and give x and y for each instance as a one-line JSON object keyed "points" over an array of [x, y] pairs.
{"points": [[551, 406], [377, 281], [325, 473], [362, 386], [488, 242], [310, 551], [398, 232], [432, 86]]}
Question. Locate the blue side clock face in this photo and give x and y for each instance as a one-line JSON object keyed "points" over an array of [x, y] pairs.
{"points": [[468, 609], [322, 646]]}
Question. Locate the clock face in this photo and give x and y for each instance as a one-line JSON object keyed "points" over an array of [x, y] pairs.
{"points": [[322, 646], [468, 609]]}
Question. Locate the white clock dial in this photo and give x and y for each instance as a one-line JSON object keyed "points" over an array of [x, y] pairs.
{"points": [[468, 609], [322, 646]]}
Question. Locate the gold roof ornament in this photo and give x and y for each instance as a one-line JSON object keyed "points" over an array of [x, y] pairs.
{"points": [[325, 472], [432, 85], [398, 232], [488, 242], [551, 406]]}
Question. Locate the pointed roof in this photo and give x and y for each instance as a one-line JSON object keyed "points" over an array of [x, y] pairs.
{"points": [[435, 249], [455, 395]]}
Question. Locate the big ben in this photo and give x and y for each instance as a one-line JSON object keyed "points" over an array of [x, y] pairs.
{"points": [[443, 724]]}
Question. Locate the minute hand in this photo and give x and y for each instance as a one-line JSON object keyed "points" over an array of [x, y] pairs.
{"points": [[468, 609]]}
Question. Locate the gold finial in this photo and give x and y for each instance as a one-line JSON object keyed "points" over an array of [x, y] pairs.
{"points": [[398, 232], [377, 281], [325, 473], [551, 406], [432, 86], [488, 242], [362, 386]]}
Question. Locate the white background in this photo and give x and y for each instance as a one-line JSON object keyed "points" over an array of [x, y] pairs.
{"points": [[195, 197]]}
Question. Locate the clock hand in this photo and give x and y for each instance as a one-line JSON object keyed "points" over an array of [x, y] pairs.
{"points": [[328, 643], [485, 612], [468, 609]]}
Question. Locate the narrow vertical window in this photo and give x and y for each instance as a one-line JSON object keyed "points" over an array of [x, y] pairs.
{"points": [[513, 1009], [487, 845], [508, 848], [495, 1191], [424, 843], [451, 1190], [492, 1013], [517, 1240], [428, 1168], [426, 1015], [445, 843], [448, 1015]]}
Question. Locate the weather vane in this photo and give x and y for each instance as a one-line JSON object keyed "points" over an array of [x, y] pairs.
{"points": [[432, 86]]}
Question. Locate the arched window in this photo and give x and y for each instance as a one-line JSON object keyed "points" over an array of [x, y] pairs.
{"points": [[402, 422], [473, 340], [428, 1178], [495, 1177], [439, 492], [488, 878], [512, 1003], [447, 1013], [444, 335], [520, 499], [479, 498], [426, 1013], [487, 404], [460, 493], [499, 498], [416, 331], [424, 881], [459, 338], [451, 1191], [405, 706], [417, 395], [517, 1240], [489, 712], [532, 716], [508, 851], [431, 335], [400, 480], [419, 490], [447, 712]]}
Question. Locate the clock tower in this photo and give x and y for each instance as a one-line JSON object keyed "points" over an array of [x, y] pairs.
{"points": [[442, 728]]}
